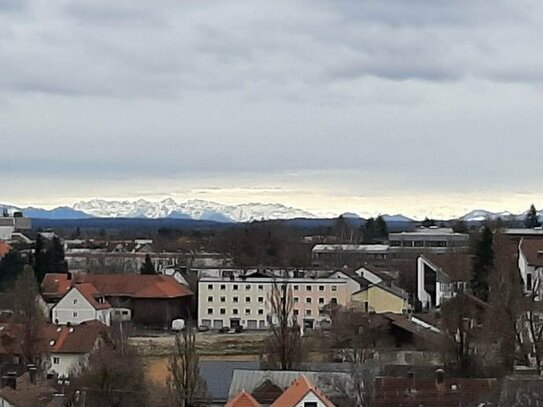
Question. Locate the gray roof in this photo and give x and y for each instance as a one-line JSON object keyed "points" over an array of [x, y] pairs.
{"points": [[249, 380], [218, 375]]}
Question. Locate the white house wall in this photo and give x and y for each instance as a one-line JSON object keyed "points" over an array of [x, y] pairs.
{"points": [[74, 308], [67, 362], [311, 398]]}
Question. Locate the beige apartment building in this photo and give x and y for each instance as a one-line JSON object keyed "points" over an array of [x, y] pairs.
{"points": [[245, 301]]}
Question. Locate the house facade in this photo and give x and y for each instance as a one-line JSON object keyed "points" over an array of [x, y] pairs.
{"points": [[246, 301], [530, 265], [380, 298], [80, 304]]}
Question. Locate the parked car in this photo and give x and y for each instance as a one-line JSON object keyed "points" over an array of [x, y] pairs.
{"points": [[203, 328], [238, 329], [224, 330], [178, 325]]}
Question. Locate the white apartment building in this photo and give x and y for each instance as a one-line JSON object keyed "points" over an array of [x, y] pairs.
{"points": [[245, 301]]}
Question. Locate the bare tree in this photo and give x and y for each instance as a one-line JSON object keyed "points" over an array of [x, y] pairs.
{"points": [[284, 346], [186, 385], [29, 314]]}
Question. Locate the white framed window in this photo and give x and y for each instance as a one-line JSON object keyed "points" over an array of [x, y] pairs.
{"points": [[235, 287], [74, 314], [321, 300], [260, 287], [296, 300], [247, 299], [260, 311], [56, 360], [235, 311], [334, 288], [321, 288], [260, 299], [247, 311], [223, 287], [210, 299], [235, 299], [223, 299], [308, 288], [223, 311], [210, 286], [308, 300], [248, 287], [75, 301], [308, 312], [210, 311], [296, 287]]}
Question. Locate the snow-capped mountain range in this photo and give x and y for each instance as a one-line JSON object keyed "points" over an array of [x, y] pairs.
{"points": [[479, 215]]}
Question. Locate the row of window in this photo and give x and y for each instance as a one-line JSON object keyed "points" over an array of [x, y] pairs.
{"points": [[295, 287], [235, 299], [235, 311]]}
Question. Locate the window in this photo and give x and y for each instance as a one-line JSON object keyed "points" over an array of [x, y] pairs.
{"points": [[321, 300], [223, 286], [248, 287], [235, 299], [296, 287], [308, 288], [75, 300], [210, 311], [56, 361], [334, 288], [247, 311], [223, 311], [209, 299], [308, 312], [260, 287], [74, 314], [296, 312], [124, 312], [333, 301], [296, 300], [223, 299], [528, 282], [235, 311], [321, 288], [247, 299], [235, 287], [310, 404], [210, 286], [260, 311], [260, 299], [308, 300]]}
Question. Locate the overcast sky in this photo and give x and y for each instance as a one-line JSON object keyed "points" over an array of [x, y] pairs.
{"points": [[420, 107]]}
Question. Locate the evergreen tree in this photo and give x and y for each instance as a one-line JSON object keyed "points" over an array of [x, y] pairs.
{"points": [[40, 258], [532, 219], [57, 263], [426, 223], [48, 257], [381, 228], [368, 230], [147, 267], [11, 266], [483, 264]]}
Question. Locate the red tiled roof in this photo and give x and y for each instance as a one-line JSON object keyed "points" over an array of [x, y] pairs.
{"points": [[74, 339], [243, 399], [409, 392], [56, 284], [4, 248], [11, 339], [136, 285], [90, 293], [300, 388], [533, 251]]}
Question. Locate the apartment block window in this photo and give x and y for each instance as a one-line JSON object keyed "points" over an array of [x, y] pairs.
{"points": [[56, 361], [235, 299], [235, 287], [333, 301], [308, 288], [223, 299], [308, 312], [210, 299], [248, 287], [260, 311], [296, 287], [260, 299], [260, 287], [247, 299], [308, 300], [334, 288], [247, 311], [210, 286], [223, 286], [296, 312], [296, 300], [223, 311], [321, 288], [321, 300], [74, 314], [210, 311], [235, 311]]}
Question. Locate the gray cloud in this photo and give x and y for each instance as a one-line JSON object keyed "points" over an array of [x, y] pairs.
{"points": [[410, 92]]}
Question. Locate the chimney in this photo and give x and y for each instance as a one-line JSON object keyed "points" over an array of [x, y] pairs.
{"points": [[10, 380], [33, 373], [440, 376]]}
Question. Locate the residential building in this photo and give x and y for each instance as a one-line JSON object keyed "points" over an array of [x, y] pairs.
{"points": [[70, 346], [267, 386], [530, 265], [242, 300], [380, 298], [29, 390], [243, 399], [13, 224], [153, 300], [439, 392], [82, 303], [303, 393], [432, 239], [440, 277]]}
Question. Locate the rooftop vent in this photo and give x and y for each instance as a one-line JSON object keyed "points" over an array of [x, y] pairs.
{"points": [[52, 343]]}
